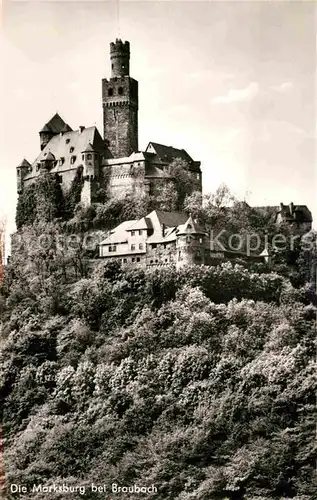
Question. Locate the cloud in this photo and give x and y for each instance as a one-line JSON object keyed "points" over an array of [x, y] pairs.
{"points": [[282, 87], [237, 95]]}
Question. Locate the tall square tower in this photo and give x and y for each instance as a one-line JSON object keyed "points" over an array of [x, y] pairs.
{"points": [[120, 102]]}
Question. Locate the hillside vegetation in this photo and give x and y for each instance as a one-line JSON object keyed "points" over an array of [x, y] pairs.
{"points": [[201, 382]]}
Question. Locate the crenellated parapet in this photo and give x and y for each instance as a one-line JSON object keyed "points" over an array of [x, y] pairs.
{"points": [[120, 58]]}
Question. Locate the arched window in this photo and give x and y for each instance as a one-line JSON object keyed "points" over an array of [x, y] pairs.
{"points": [[120, 90], [71, 149], [73, 159], [89, 156], [110, 92]]}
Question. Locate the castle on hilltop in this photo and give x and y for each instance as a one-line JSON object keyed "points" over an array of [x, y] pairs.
{"points": [[112, 162]]}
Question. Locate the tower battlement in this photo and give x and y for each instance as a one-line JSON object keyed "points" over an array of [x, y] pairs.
{"points": [[119, 45], [120, 58]]}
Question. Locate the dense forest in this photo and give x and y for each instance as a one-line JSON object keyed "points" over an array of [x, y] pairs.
{"points": [[200, 381]]}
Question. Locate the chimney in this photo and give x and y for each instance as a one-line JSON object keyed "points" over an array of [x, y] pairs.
{"points": [[291, 208]]}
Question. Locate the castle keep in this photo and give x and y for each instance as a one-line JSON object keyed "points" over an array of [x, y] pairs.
{"points": [[111, 161]]}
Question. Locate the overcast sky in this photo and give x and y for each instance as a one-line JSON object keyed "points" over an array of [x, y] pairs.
{"points": [[231, 82]]}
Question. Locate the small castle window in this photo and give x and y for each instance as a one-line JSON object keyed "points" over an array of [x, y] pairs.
{"points": [[132, 247], [154, 245], [89, 156], [133, 259], [141, 246], [138, 259], [71, 149], [140, 232], [61, 161], [189, 226], [111, 66], [198, 176], [123, 66], [132, 233], [110, 91], [82, 157], [200, 240], [151, 261], [120, 90], [124, 261], [67, 141], [73, 159], [165, 260]]}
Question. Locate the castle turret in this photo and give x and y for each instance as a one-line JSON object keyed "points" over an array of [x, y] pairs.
{"points": [[22, 169], [47, 163], [120, 58], [55, 126], [191, 243], [120, 103], [90, 159]]}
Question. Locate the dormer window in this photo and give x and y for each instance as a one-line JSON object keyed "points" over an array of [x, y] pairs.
{"points": [[73, 159], [67, 141], [71, 149]]}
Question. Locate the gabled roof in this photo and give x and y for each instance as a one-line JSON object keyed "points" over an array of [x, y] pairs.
{"points": [[69, 147], [66, 128], [167, 153], [48, 157], [190, 227], [300, 213], [119, 234], [144, 223], [171, 219], [54, 125]]}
